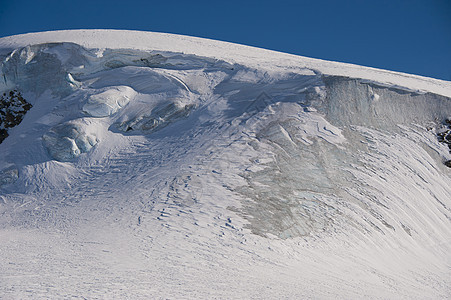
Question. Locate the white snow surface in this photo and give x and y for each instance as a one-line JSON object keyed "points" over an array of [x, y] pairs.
{"points": [[108, 102], [234, 53], [163, 166]]}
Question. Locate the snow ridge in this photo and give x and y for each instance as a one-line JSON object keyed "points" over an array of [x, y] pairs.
{"points": [[233, 53]]}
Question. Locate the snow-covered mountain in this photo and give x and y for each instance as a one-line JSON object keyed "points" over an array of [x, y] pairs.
{"points": [[148, 165]]}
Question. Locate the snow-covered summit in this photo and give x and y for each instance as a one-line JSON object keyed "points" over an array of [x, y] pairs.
{"points": [[148, 165], [230, 52]]}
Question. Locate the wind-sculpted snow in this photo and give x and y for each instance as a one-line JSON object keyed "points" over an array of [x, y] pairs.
{"points": [[67, 141], [109, 80], [8, 176], [108, 102], [143, 174], [157, 118]]}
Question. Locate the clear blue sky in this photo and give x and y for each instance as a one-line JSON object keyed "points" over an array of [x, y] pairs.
{"points": [[412, 36]]}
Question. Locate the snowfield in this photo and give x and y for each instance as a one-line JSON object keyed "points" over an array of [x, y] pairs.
{"points": [[153, 165]]}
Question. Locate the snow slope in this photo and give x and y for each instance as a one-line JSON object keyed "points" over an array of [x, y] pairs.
{"points": [[165, 166]]}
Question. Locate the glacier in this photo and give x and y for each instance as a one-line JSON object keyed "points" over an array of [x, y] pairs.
{"points": [[164, 166]]}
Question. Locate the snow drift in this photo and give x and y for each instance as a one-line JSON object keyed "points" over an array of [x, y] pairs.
{"points": [[151, 164]]}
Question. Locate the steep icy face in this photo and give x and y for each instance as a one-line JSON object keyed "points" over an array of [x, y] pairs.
{"points": [[197, 147], [290, 187], [358, 102], [39, 68], [299, 132], [304, 155]]}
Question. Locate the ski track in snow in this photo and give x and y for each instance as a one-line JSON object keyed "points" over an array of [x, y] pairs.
{"points": [[228, 172]]}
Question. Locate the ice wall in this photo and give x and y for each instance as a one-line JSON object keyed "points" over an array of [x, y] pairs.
{"points": [[359, 153], [358, 102]]}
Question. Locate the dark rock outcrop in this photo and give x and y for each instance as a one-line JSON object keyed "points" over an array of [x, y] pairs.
{"points": [[444, 136], [13, 108]]}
